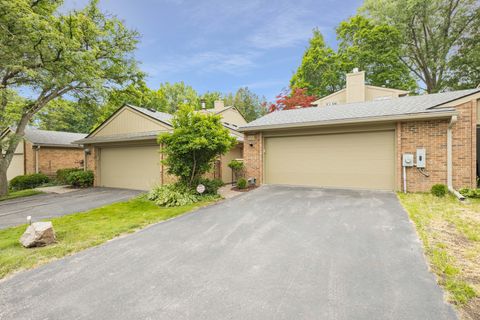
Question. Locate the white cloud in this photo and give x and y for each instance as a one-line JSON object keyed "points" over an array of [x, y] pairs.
{"points": [[207, 61]]}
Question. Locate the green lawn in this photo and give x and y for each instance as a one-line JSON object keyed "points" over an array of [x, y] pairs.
{"points": [[450, 232], [21, 193], [82, 230]]}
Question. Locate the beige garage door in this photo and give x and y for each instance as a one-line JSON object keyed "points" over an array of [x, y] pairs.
{"points": [[350, 160], [130, 167]]}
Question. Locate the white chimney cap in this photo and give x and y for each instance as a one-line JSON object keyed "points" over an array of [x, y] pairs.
{"points": [[355, 70]]}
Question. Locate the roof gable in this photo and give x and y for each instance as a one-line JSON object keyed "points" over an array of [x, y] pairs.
{"points": [[132, 119]]}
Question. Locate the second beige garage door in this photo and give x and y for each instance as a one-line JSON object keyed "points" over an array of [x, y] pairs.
{"points": [[351, 160], [130, 167]]}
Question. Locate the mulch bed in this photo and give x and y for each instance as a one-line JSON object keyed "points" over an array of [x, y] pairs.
{"points": [[249, 188]]}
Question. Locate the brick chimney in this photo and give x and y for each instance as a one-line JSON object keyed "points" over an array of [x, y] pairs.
{"points": [[355, 86]]}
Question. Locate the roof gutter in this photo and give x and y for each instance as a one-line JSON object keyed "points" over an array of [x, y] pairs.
{"points": [[73, 145], [414, 116], [452, 122]]}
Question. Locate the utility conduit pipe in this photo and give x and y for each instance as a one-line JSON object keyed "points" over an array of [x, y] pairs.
{"points": [[452, 122]]}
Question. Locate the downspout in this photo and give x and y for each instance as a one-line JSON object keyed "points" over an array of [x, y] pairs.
{"points": [[452, 122], [36, 159]]}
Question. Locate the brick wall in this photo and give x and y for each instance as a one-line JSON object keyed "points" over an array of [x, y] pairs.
{"points": [[52, 159], [432, 135], [464, 142], [253, 156]]}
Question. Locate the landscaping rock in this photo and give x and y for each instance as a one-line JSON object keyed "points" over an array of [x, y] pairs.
{"points": [[38, 234]]}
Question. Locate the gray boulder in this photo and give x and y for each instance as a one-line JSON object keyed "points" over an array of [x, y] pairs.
{"points": [[38, 234]]}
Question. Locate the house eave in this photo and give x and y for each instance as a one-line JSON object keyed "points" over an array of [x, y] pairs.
{"points": [[391, 118]]}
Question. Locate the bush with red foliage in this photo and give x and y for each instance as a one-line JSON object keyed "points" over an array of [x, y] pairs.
{"points": [[294, 99]]}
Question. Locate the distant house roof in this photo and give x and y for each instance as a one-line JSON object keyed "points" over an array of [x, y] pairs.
{"points": [[52, 138], [382, 109]]}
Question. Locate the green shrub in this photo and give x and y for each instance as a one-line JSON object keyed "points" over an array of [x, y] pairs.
{"points": [[236, 165], [470, 193], [172, 195], [241, 183], [439, 190], [63, 173], [80, 179], [211, 186], [28, 181], [175, 195]]}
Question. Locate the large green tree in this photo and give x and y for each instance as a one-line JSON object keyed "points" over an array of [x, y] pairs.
{"points": [[464, 66], [247, 102], [51, 54], [69, 116], [196, 141], [320, 71], [363, 44], [209, 98], [433, 34], [137, 94], [376, 49], [174, 95]]}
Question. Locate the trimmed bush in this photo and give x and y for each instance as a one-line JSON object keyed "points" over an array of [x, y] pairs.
{"points": [[80, 179], [62, 174], [241, 183], [470, 193], [28, 181], [236, 165], [439, 190], [211, 186]]}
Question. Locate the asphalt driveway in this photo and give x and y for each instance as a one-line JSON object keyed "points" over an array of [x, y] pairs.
{"points": [[14, 212], [273, 253]]}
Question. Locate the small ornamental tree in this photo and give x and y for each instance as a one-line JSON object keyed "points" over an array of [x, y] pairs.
{"points": [[196, 141], [297, 98]]}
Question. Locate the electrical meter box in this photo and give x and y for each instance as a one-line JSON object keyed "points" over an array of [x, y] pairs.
{"points": [[421, 158], [407, 160]]}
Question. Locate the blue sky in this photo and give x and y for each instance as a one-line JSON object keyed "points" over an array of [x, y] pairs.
{"points": [[216, 45]]}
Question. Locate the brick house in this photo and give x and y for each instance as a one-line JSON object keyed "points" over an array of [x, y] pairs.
{"points": [[42, 151], [362, 144]]}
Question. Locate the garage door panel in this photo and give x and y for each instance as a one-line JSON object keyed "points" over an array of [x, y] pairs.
{"points": [[351, 160], [130, 167]]}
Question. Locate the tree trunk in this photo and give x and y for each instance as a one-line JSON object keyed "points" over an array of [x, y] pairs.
{"points": [[3, 182], [6, 158]]}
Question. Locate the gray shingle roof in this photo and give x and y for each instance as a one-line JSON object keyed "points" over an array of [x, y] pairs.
{"points": [[162, 116], [53, 138], [372, 109], [132, 136]]}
